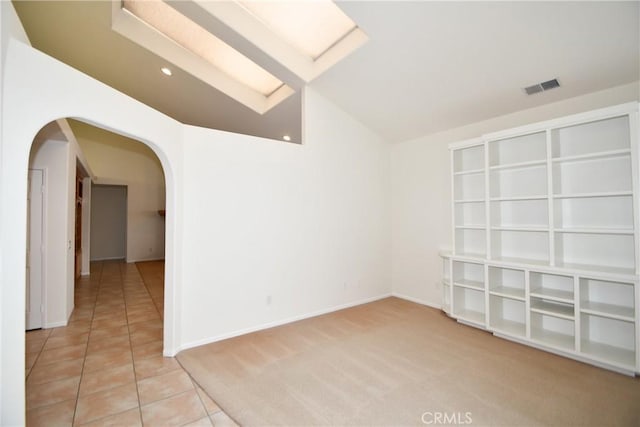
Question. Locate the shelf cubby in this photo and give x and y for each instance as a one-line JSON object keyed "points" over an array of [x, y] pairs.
{"points": [[608, 339], [608, 298], [469, 304], [468, 274], [593, 137], [520, 213], [553, 331], [470, 214], [614, 213], [510, 244], [470, 242], [552, 286], [507, 282], [591, 251], [468, 159], [507, 315], [469, 186], [519, 150], [589, 176], [530, 182]]}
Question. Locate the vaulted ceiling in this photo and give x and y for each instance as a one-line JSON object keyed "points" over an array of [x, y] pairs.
{"points": [[427, 66]]}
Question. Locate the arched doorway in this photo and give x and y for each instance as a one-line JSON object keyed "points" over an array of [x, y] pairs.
{"points": [[38, 90]]}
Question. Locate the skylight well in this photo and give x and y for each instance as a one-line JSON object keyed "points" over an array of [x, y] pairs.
{"points": [[312, 27], [283, 44], [199, 41]]}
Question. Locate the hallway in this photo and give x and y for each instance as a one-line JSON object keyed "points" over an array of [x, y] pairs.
{"points": [[106, 366]]}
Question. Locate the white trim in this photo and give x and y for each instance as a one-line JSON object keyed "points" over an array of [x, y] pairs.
{"points": [[466, 143], [55, 324], [144, 260], [108, 258], [566, 121], [416, 300], [268, 325], [568, 354]]}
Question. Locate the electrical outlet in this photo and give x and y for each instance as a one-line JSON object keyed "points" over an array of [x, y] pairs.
{"points": [[268, 299]]}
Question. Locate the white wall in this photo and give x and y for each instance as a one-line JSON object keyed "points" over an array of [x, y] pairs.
{"points": [[304, 226], [57, 154], [421, 191], [53, 157], [115, 159], [10, 303]]}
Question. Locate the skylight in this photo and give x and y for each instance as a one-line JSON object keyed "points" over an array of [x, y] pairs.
{"points": [[312, 27], [201, 42]]}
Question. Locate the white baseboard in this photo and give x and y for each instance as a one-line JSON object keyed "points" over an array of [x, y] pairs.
{"points": [[416, 300], [54, 324], [107, 258], [130, 261], [268, 325]]}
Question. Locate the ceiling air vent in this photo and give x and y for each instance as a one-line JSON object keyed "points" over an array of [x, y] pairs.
{"points": [[541, 87]]}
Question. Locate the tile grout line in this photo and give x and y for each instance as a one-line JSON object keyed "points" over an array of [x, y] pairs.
{"points": [[133, 362], [84, 361]]}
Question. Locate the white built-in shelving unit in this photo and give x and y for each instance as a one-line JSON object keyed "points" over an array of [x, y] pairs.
{"points": [[546, 246]]}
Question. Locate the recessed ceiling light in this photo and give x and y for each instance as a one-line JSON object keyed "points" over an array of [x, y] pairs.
{"points": [[166, 71], [286, 137]]}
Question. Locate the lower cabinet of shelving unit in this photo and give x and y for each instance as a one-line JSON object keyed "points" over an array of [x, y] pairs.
{"points": [[507, 316], [608, 340], [468, 304], [553, 331]]}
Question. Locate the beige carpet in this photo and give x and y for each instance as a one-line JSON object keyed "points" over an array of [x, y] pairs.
{"points": [[393, 362]]}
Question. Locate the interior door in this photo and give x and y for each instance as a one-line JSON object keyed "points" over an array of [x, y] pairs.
{"points": [[35, 228]]}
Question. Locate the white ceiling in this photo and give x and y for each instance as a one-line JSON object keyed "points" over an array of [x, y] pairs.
{"points": [[427, 67]]}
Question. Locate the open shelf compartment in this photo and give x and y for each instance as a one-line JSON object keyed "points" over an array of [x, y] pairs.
{"points": [[608, 299], [510, 183], [507, 282], [553, 331], [507, 315], [518, 150], [529, 245], [520, 213], [470, 214], [470, 242], [592, 137], [469, 305], [468, 159], [610, 340], [613, 213], [601, 252], [552, 286], [468, 274]]}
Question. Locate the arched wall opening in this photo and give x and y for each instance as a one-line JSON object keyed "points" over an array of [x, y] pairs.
{"points": [[74, 169], [38, 90]]}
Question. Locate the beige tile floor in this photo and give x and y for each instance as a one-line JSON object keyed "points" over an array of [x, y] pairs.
{"points": [[106, 366]]}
